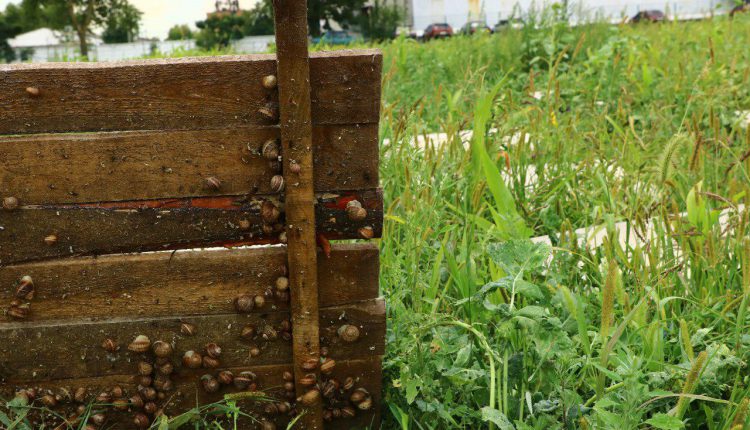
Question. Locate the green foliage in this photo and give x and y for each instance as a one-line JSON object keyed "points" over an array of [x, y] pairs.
{"points": [[342, 11], [381, 20], [180, 32], [122, 24], [219, 29]]}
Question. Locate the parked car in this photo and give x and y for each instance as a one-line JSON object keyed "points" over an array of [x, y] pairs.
{"points": [[437, 31], [473, 27], [745, 7], [514, 23], [648, 16], [332, 37]]}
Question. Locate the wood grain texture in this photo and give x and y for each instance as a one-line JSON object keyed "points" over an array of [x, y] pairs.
{"points": [[159, 225], [180, 94], [73, 349], [188, 392], [184, 283], [290, 17], [121, 166]]}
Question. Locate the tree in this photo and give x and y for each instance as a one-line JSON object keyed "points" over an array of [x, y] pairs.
{"points": [[123, 23], [342, 11], [259, 20], [8, 30], [219, 29], [380, 21], [180, 32], [80, 15]]}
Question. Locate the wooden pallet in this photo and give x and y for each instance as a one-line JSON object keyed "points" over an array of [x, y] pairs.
{"points": [[130, 189]]}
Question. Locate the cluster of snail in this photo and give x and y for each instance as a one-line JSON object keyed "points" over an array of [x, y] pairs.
{"points": [[20, 306], [154, 376], [115, 398], [246, 303], [271, 109]]}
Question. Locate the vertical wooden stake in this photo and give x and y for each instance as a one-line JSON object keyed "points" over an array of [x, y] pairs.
{"points": [[296, 141]]}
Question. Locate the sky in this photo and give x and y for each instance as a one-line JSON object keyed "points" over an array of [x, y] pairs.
{"points": [[160, 15]]}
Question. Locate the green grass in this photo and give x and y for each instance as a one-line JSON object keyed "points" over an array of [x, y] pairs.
{"points": [[481, 332]]}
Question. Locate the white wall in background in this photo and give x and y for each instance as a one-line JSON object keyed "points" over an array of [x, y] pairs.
{"points": [[458, 12]]}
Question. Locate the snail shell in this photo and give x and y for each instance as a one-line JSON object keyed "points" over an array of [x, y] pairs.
{"points": [[271, 150], [212, 183], [277, 184], [328, 366], [210, 384], [162, 349], [244, 303], [366, 233], [269, 212], [25, 288], [192, 360], [282, 283], [270, 82], [348, 333], [213, 350], [140, 344], [10, 203], [187, 329], [310, 398]]}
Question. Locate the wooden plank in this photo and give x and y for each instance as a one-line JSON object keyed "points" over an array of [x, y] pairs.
{"points": [[187, 388], [180, 94], [73, 349], [173, 224], [290, 17], [182, 283], [121, 166]]}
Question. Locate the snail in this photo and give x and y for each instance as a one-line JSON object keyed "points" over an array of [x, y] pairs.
{"points": [[192, 360], [328, 366], [141, 421], [148, 393], [162, 349], [310, 398], [25, 290], [270, 111], [270, 82], [271, 150], [210, 384], [10, 203], [210, 362], [308, 380], [187, 329], [244, 303], [248, 332], [145, 368], [225, 377], [212, 183], [310, 364], [213, 350], [140, 344], [355, 211], [366, 233], [277, 184], [50, 240], [110, 345], [282, 283], [269, 212], [348, 333]]}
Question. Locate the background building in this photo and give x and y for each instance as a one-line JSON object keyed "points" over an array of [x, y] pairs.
{"points": [[421, 13]]}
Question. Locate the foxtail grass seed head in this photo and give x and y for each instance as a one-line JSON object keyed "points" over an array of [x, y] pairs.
{"points": [[741, 416], [687, 346], [608, 299], [690, 382]]}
